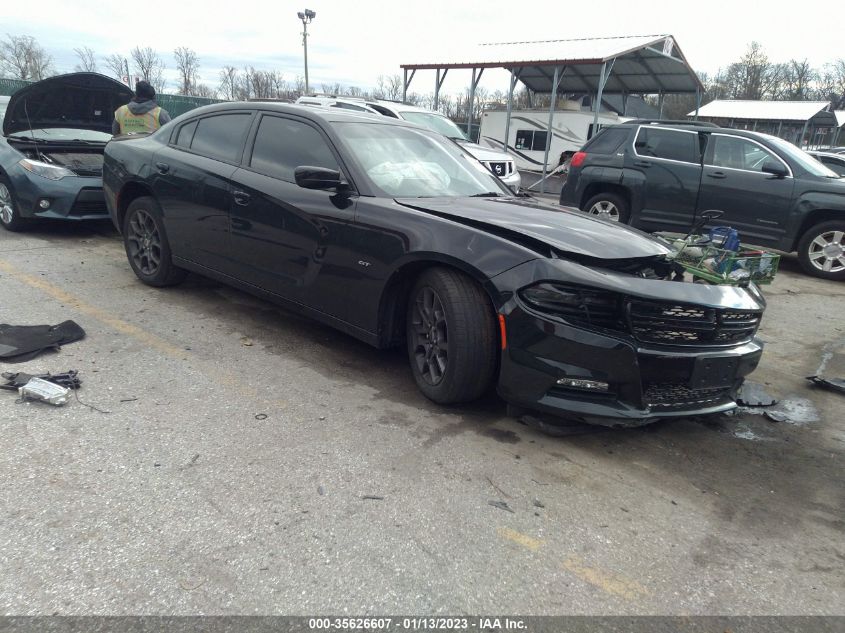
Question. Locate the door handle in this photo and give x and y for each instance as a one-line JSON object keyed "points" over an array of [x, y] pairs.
{"points": [[162, 168], [241, 197], [642, 163], [716, 174]]}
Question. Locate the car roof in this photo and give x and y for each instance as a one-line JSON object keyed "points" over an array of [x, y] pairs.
{"points": [[330, 115]]}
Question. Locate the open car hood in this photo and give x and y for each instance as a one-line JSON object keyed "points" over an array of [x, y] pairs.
{"points": [[85, 101], [565, 230]]}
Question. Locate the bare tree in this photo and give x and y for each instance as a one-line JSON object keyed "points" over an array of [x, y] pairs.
{"points": [[204, 90], [148, 66], [21, 57], [188, 65], [229, 82], [797, 79], [87, 60], [389, 88], [117, 64]]}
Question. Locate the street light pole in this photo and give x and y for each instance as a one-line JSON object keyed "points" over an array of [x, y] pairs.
{"points": [[306, 17]]}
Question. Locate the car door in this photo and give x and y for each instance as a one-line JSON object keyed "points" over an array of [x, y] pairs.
{"points": [[670, 163], [193, 183], [754, 202], [288, 239]]}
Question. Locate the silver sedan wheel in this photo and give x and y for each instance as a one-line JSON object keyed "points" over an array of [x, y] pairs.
{"points": [[6, 210], [605, 209], [827, 252]]}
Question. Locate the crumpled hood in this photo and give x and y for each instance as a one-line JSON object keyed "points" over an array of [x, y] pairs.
{"points": [[564, 229], [85, 101]]}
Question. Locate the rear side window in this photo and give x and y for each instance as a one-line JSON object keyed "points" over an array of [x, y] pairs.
{"points": [[670, 144], [186, 134], [282, 145], [221, 136], [608, 141]]}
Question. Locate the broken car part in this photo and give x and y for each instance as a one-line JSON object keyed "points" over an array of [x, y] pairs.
{"points": [[19, 343], [833, 384], [69, 379], [753, 395], [44, 391]]}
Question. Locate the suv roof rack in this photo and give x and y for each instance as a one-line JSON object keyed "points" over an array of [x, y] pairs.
{"points": [[671, 122]]}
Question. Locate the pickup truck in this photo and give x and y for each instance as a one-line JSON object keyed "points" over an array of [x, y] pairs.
{"points": [[661, 176]]}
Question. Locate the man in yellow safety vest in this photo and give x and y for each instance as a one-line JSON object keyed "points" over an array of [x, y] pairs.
{"points": [[142, 114]]}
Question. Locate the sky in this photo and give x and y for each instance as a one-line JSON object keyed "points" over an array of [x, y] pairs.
{"points": [[353, 42]]}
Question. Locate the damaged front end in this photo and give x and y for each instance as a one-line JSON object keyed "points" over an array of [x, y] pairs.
{"points": [[624, 342]]}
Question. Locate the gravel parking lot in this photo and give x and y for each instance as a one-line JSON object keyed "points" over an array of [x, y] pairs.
{"points": [[227, 469]]}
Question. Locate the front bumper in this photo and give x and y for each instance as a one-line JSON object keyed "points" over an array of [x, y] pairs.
{"points": [[514, 181], [646, 382], [71, 198]]}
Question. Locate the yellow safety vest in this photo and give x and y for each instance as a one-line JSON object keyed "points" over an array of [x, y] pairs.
{"points": [[137, 123]]}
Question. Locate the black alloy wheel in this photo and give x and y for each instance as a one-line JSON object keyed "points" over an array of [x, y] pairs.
{"points": [[143, 243], [431, 336], [146, 244], [451, 336]]}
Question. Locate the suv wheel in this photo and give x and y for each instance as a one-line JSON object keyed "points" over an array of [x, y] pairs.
{"points": [[451, 334], [821, 250], [609, 206]]}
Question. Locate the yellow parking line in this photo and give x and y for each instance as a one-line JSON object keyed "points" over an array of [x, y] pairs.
{"points": [[116, 323], [520, 539], [613, 584]]}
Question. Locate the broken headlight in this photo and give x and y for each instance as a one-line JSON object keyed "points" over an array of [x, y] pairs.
{"points": [[579, 306], [45, 170]]}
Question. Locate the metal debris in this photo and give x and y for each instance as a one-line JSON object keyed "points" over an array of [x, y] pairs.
{"points": [[373, 497], [260, 416], [833, 384], [501, 505], [797, 411], [538, 504], [754, 395]]}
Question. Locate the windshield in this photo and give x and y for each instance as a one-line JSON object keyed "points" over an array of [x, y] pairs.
{"points": [[404, 162], [65, 134], [802, 158], [436, 123]]}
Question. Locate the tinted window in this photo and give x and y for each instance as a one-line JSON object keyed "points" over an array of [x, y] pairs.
{"points": [[608, 141], [221, 136], [737, 153], [835, 164], [348, 106], [670, 144], [185, 134], [534, 140], [282, 145]]}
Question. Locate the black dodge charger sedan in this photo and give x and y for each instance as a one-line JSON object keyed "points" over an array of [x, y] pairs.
{"points": [[397, 236]]}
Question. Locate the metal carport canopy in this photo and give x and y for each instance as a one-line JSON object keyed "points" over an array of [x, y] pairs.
{"points": [[642, 64]]}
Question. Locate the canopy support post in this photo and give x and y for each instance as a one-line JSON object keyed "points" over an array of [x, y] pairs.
{"points": [[472, 87], [555, 83], [438, 84], [513, 80], [603, 77], [660, 96], [697, 102], [803, 132], [407, 84]]}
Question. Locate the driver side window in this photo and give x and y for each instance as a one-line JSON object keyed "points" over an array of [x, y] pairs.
{"points": [[282, 145], [737, 153]]}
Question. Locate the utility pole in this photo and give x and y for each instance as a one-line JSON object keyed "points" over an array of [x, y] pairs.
{"points": [[306, 17]]}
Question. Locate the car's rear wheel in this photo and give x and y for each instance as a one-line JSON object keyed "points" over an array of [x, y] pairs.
{"points": [[609, 206], [10, 217], [821, 250], [146, 244], [451, 336]]}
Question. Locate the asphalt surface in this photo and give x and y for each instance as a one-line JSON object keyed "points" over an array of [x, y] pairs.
{"points": [[226, 470]]}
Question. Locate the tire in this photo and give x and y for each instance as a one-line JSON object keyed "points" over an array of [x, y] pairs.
{"points": [[821, 250], [146, 244], [610, 206], [10, 217], [448, 307]]}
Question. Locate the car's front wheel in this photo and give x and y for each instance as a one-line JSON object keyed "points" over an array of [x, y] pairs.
{"points": [[821, 250], [9, 215], [608, 206], [451, 336], [146, 244]]}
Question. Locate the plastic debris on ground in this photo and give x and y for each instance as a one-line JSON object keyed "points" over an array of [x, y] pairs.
{"points": [[20, 343], [834, 384], [752, 394]]}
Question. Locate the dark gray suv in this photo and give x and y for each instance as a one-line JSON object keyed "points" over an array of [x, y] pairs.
{"points": [[660, 177]]}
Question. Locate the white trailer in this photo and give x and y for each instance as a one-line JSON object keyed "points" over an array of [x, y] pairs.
{"points": [[571, 128]]}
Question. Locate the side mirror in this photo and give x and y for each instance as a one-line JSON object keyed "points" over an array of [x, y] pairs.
{"points": [[776, 169], [318, 178]]}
